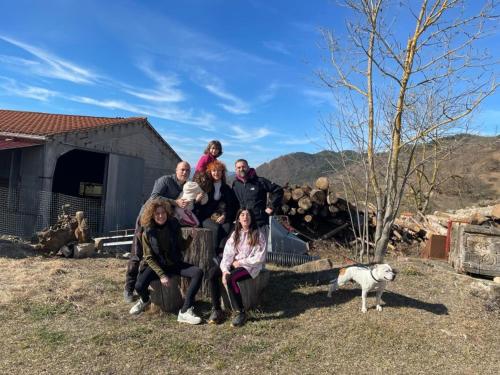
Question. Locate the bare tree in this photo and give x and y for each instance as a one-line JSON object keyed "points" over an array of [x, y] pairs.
{"points": [[400, 81]]}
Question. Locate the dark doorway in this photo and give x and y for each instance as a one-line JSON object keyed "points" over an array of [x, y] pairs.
{"points": [[79, 182], [78, 167]]}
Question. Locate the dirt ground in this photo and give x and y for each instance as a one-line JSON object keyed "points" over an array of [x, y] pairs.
{"points": [[67, 316]]}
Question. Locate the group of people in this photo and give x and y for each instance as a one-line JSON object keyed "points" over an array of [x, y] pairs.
{"points": [[237, 216]]}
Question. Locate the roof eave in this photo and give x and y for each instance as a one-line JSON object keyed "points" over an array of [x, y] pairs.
{"points": [[25, 136]]}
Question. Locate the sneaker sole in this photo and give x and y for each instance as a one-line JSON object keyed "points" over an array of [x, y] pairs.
{"points": [[180, 320]]}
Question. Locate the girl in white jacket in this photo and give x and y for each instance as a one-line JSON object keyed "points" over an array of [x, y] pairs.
{"points": [[243, 258]]}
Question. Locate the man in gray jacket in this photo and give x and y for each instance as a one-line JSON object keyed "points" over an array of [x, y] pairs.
{"points": [[167, 187]]}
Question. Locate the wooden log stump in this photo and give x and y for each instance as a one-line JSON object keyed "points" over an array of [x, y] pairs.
{"points": [[331, 197], [308, 218], [287, 195], [318, 196], [297, 194], [168, 299], [305, 203], [322, 183], [251, 290], [200, 253]]}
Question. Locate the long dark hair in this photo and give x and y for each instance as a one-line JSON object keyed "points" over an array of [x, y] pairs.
{"points": [[253, 235], [215, 143]]}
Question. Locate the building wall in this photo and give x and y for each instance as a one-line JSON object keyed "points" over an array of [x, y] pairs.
{"points": [[134, 139], [33, 170], [20, 199]]}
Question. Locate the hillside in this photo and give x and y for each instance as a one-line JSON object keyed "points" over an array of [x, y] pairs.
{"points": [[300, 167], [472, 171]]}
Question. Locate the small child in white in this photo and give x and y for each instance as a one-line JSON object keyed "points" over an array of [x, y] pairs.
{"points": [[191, 192]]}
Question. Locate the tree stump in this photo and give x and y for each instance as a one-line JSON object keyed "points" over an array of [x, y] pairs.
{"points": [[297, 194], [318, 196], [200, 253], [322, 183], [168, 299], [251, 290], [305, 203]]}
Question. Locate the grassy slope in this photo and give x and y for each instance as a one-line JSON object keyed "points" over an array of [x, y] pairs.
{"points": [[67, 316]]}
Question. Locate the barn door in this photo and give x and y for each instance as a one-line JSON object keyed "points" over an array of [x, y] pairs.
{"points": [[123, 191]]}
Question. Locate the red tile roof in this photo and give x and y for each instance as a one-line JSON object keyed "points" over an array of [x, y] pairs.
{"points": [[36, 123]]}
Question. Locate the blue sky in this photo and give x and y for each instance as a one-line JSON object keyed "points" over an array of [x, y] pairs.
{"points": [[238, 71]]}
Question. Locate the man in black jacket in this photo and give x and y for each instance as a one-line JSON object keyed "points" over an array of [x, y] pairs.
{"points": [[167, 187], [251, 191]]}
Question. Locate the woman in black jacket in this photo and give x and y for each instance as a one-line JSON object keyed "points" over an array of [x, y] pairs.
{"points": [[163, 244], [218, 213]]}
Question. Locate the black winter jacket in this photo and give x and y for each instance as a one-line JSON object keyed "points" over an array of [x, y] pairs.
{"points": [[252, 195], [227, 196], [163, 246]]}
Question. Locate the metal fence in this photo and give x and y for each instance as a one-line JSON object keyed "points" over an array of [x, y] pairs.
{"points": [[23, 212]]}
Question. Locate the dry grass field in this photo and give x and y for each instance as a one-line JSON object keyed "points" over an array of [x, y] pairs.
{"points": [[66, 316]]}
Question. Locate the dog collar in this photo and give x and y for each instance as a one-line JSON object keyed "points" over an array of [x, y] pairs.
{"points": [[373, 277]]}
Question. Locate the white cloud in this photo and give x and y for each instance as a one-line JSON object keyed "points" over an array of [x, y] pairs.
{"points": [[277, 47], [270, 92], [49, 65], [236, 106], [203, 120], [166, 91], [215, 86], [248, 135], [319, 97], [300, 141], [11, 87]]}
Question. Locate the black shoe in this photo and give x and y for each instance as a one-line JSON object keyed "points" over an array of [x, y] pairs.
{"points": [[216, 317], [239, 319]]}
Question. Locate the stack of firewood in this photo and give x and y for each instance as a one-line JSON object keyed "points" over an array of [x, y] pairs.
{"points": [[319, 212]]}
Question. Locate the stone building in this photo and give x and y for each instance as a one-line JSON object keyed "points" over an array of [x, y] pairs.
{"points": [[108, 165]]}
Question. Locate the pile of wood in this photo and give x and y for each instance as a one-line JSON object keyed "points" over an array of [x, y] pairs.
{"points": [[437, 223], [68, 237], [319, 212]]}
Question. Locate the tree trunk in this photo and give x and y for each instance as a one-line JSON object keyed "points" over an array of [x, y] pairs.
{"points": [[297, 194], [200, 253], [317, 196], [322, 183], [305, 203]]}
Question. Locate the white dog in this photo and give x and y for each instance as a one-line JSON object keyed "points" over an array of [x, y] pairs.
{"points": [[368, 278]]}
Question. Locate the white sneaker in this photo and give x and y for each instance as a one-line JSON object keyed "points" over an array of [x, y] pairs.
{"points": [[139, 307], [188, 317]]}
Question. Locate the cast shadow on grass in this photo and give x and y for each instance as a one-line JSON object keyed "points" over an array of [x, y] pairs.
{"points": [[282, 297]]}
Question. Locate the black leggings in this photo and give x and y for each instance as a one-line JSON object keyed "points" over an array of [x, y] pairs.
{"points": [[220, 233], [237, 274], [183, 269], [135, 257]]}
